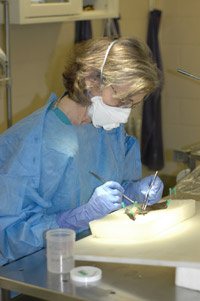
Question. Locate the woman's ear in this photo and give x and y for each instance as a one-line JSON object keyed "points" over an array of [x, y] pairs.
{"points": [[91, 80], [92, 84]]}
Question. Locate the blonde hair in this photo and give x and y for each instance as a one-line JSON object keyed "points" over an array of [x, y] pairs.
{"points": [[129, 61]]}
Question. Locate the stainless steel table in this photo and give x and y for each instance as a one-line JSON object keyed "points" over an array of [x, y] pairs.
{"points": [[29, 276]]}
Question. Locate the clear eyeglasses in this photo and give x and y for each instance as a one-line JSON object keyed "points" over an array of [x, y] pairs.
{"points": [[127, 103]]}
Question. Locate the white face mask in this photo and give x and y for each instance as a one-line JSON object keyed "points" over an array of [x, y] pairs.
{"points": [[103, 115], [106, 116]]}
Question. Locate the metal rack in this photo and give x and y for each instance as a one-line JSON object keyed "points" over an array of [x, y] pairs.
{"points": [[7, 79], [188, 155]]}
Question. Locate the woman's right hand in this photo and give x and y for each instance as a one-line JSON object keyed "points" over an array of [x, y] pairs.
{"points": [[105, 199]]}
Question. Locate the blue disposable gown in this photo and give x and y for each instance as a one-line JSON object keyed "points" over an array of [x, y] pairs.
{"points": [[44, 169]]}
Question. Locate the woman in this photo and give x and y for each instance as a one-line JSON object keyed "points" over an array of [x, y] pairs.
{"points": [[46, 159]]}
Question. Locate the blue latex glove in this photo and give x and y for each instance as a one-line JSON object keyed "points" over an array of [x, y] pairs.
{"points": [[137, 190], [105, 199]]}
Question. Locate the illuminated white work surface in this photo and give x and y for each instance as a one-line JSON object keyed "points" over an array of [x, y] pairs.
{"points": [[176, 247], [118, 225]]}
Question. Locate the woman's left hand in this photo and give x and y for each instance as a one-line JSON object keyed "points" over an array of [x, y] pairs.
{"points": [[156, 191], [137, 190]]}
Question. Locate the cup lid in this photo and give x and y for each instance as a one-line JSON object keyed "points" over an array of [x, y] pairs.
{"points": [[85, 274]]}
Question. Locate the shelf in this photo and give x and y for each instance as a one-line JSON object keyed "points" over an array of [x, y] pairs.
{"points": [[26, 12]]}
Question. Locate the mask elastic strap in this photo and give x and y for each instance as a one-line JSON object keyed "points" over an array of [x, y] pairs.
{"points": [[105, 58]]}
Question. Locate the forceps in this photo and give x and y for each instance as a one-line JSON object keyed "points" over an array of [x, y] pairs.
{"points": [[144, 206], [104, 181]]}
